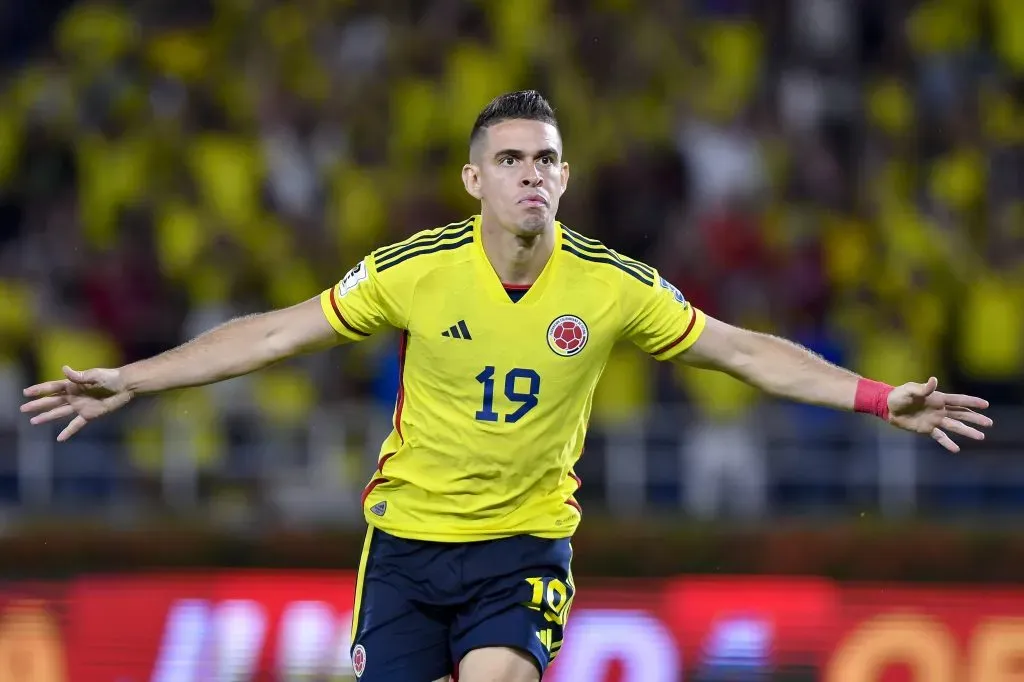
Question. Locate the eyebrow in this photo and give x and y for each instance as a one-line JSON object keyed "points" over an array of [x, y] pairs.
{"points": [[518, 153]]}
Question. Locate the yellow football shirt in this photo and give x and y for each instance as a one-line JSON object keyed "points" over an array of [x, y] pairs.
{"points": [[495, 396]]}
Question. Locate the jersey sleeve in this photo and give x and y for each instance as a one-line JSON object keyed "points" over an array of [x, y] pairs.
{"points": [[363, 302], [659, 320]]}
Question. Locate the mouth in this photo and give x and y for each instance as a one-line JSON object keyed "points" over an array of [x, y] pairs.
{"points": [[534, 201]]}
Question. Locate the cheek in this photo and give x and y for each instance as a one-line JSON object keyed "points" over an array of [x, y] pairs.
{"points": [[496, 183], [498, 190]]}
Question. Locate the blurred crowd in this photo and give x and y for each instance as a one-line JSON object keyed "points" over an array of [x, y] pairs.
{"points": [[847, 173]]}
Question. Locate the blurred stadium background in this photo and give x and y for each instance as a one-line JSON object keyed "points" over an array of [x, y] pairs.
{"points": [[847, 173]]}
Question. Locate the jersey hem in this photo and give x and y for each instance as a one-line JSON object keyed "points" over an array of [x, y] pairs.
{"points": [[469, 537]]}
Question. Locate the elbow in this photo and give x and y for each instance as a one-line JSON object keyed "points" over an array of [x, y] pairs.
{"points": [[748, 356], [273, 342], [276, 344], [294, 331], [769, 364], [725, 348], [760, 360], [741, 358]]}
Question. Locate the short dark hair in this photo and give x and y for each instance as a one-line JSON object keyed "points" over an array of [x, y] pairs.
{"points": [[523, 104]]}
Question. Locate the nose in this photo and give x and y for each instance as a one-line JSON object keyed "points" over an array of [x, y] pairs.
{"points": [[531, 178]]}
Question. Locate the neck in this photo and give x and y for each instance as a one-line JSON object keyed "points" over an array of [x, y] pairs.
{"points": [[516, 259]]}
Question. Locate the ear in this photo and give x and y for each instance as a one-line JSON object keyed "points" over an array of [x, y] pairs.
{"points": [[471, 180], [564, 177]]}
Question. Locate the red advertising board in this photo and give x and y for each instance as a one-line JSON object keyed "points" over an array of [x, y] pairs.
{"points": [[785, 622], [887, 633], [234, 626], [118, 623], [252, 626]]}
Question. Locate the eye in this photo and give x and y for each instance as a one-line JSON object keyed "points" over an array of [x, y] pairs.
{"points": [[546, 160], [507, 161]]}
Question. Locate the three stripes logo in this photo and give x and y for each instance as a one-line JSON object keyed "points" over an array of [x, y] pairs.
{"points": [[458, 331]]}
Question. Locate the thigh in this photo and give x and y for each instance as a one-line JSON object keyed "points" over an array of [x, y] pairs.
{"points": [[498, 664], [396, 637], [518, 595]]}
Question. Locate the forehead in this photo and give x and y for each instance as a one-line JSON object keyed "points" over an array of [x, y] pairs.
{"points": [[524, 135]]}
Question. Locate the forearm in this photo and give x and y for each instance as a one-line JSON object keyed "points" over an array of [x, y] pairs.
{"points": [[238, 347], [784, 369], [787, 370]]}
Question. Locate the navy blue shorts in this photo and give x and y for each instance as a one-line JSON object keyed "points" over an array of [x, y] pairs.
{"points": [[422, 606]]}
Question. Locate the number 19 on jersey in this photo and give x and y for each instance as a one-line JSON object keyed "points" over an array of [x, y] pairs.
{"points": [[522, 386]]}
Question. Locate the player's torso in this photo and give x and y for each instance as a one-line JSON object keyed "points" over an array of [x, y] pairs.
{"points": [[506, 370], [495, 393]]}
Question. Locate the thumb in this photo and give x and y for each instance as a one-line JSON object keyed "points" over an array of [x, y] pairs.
{"points": [[926, 389], [76, 376]]}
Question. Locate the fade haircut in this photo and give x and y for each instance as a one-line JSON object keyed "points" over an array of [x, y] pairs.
{"points": [[524, 104]]}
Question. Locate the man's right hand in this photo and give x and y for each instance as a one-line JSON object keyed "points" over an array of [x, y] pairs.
{"points": [[87, 395]]}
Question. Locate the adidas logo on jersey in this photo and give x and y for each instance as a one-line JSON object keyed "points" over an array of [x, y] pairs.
{"points": [[458, 331], [379, 508]]}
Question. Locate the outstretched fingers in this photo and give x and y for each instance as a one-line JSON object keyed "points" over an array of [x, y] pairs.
{"points": [[43, 404], [47, 388], [71, 429], [944, 440], [961, 400], [958, 427], [969, 416], [53, 415]]}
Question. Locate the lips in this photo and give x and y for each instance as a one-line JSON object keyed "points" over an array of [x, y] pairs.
{"points": [[533, 200]]}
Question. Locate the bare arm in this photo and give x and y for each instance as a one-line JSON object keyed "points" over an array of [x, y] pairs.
{"points": [[787, 370], [238, 347], [234, 348], [776, 366]]}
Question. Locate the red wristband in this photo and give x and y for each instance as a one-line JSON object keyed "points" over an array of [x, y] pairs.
{"points": [[872, 398]]}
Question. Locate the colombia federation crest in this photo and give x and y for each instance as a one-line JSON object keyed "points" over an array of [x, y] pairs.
{"points": [[567, 335], [359, 660]]}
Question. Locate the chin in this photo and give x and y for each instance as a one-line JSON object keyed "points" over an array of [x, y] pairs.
{"points": [[533, 224]]}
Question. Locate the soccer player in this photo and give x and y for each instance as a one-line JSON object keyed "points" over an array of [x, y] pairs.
{"points": [[507, 319]]}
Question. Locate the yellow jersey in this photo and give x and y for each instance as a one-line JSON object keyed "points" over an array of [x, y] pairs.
{"points": [[495, 395]]}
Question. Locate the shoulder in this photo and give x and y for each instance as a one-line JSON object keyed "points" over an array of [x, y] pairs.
{"points": [[424, 250], [593, 256]]}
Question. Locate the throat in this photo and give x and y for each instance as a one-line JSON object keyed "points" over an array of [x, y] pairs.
{"points": [[518, 260]]}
